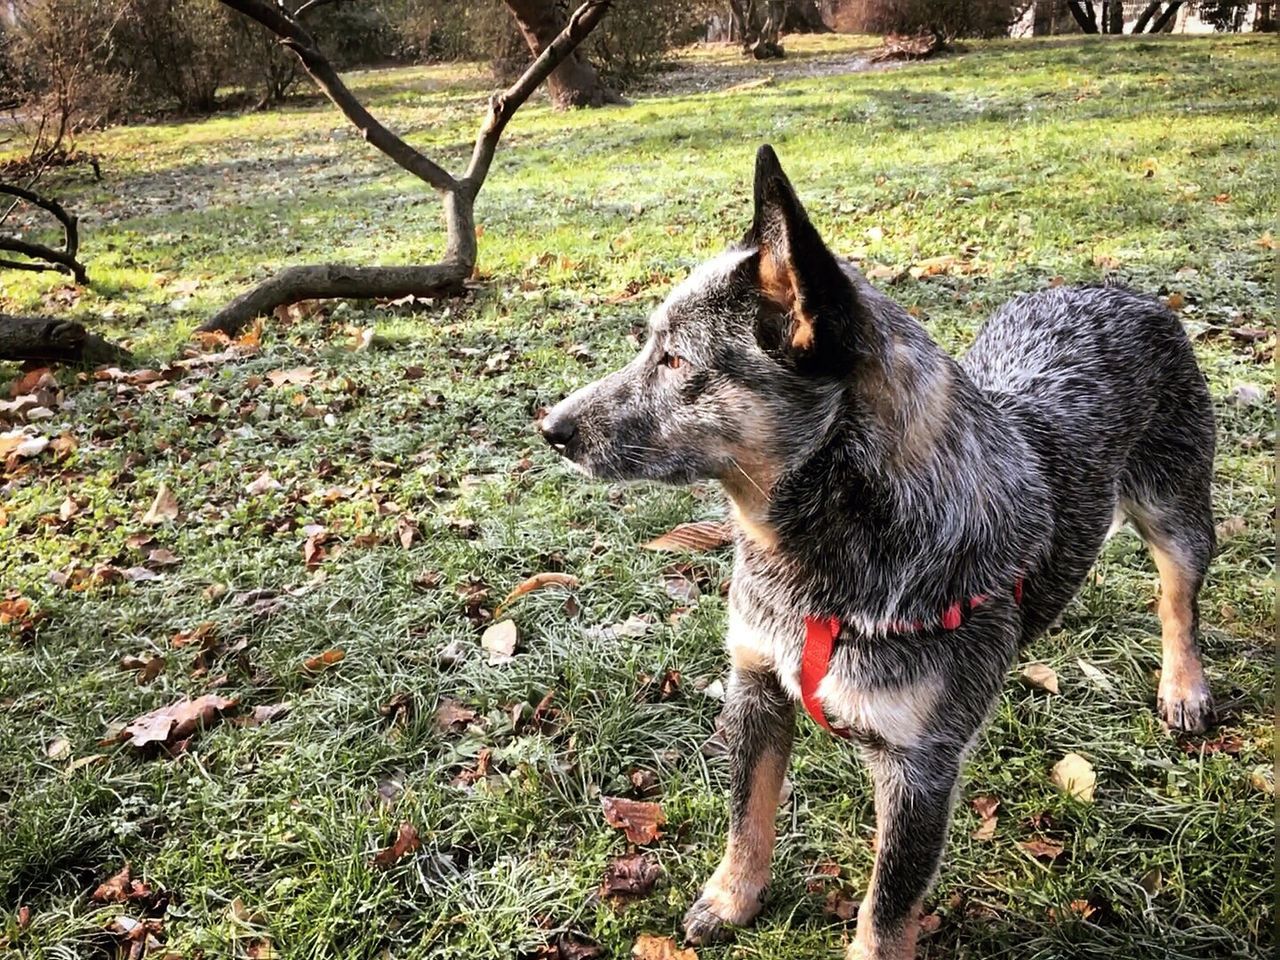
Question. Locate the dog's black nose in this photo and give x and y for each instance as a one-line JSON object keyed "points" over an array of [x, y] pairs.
{"points": [[557, 431]]}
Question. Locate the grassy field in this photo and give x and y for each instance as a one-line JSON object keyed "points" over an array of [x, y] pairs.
{"points": [[1149, 161]]}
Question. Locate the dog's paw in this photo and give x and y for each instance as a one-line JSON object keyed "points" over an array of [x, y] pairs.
{"points": [[1185, 706], [702, 925]]}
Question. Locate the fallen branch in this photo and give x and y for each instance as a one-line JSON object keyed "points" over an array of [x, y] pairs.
{"points": [[445, 278], [63, 260], [54, 340], [900, 46]]}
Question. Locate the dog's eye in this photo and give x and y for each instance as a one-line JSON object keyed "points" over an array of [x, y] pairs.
{"points": [[672, 360]]}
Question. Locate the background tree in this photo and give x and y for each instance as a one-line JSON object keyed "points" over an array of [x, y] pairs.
{"points": [[322, 281], [575, 82]]}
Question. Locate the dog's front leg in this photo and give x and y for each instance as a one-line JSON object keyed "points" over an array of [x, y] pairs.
{"points": [[915, 790], [759, 722]]}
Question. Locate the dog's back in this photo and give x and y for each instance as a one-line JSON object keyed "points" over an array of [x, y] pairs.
{"points": [[1103, 384]]}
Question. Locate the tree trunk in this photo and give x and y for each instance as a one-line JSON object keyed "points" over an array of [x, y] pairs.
{"points": [[1166, 19], [1144, 18], [1088, 23], [1263, 20], [574, 83], [1113, 16], [802, 16], [54, 339]]}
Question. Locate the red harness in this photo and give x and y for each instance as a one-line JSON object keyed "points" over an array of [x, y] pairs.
{"points": [[820, 635]]}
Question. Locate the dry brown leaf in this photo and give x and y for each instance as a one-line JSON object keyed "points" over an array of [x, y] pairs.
{"points": [[537, 582], [985, 806], [630, 876], [1042, 676], [57, 748], [163, 557], [14, 610], [261, 484], [115, 889], [406, 531], [500, 640], [1043, 849], [1074, 775], [452, 716], [405, 843], [163, 508], [693, 537], [649, 947], [638, 819], [323, 661], [175, 722], [1231, 527], [292, 377], [1223, 743], [24, 917], [31, 381], [1175, 300]]}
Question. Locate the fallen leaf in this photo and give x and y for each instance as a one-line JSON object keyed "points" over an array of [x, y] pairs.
{"points": [[163, 508], [1093, 673], [175, 722], [985, 807], [630, 876], [680, 588], [452, 716], [1074, 775], [841, 906], [265, 713], [14, 610], [1223, 743], [636, 625], [1043, 849], [292, 377], [115, 889], [406, 531], [649, 947], [1041, 676], [693, 537], [405, 843], [1231, 527], [24, 917], [58, 748], [500, 640], [930, 924], [323, 661], [1152, 881], [537, 582], [68, 509], [262, 483], [1175, 300], [163, 557], [638, 819]]}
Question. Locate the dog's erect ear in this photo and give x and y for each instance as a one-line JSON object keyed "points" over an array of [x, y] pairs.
{"points": [[798, 274]]}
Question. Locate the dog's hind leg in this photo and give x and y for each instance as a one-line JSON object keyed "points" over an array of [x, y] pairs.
{"points": [[1180, 536], [759, 722], [915, 791]]}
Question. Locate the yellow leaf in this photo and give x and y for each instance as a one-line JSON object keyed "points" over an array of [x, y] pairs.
{"points": [[1074, 775], [649, 947]]}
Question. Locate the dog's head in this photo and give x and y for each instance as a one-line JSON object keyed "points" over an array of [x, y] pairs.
{"points": [[742, 367]]}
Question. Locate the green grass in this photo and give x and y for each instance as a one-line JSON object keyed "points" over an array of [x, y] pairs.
{"points": [[1150, 161]]}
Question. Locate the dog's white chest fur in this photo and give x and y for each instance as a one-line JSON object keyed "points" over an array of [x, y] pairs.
{"points": [[896, 714]]}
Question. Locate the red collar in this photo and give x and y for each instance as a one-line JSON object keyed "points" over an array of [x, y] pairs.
{"points": [[820, 635]]}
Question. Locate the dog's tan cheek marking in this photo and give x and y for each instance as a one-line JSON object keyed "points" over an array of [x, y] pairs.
{"points": [[736, 889], [1181, 669], [927, 420]]}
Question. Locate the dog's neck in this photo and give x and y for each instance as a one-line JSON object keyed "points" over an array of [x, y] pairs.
{"points": [[917, 493]]}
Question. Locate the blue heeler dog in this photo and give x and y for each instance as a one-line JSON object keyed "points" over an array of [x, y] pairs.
{"points": [[904, 521]]}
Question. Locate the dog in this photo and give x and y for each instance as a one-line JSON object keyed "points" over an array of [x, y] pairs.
{"points": [[904, 521]]}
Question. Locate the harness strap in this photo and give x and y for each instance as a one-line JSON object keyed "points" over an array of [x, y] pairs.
{"points": [[820, 635]]}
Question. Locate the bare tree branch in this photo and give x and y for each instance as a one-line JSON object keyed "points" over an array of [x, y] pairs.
{"points": [[311, 5], [54, 339], [65, 259], [299, 40], [433, 280], [502, 106]]}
